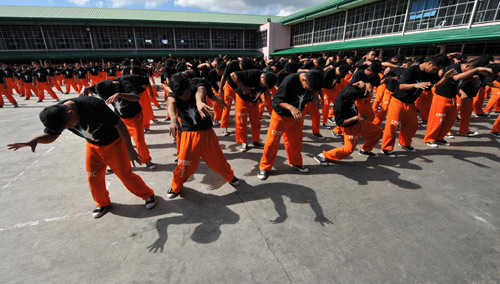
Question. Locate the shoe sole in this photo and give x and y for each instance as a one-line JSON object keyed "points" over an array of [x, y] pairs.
{"points": [[392, 156], [323, 164]]}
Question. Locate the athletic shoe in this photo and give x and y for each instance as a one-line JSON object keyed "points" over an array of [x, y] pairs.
{"points": [[324, 125], [171, 194], [408, 148], [155, 121], [449, 135], [27, 99], [322, 161], [58, 100], [471, 134], [496, 134], [367, 153], [159, 107], [442, 142], [486, 114], [318, 135], [432, 144], [235, 181], [16, 106], [150, 202], [150, 165], [147, 130], [109, 171], [39, 101], [336, 135], [225, 132], [167, 119], [424, 123], [331, 120], [258, 144], [216, 122], [263, 175], [301, 169], [244, 147], [1, 106], [473, 115], [389, 154], [99, 211]]}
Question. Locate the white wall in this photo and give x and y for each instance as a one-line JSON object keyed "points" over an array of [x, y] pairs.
{"points": [[278, 37]]}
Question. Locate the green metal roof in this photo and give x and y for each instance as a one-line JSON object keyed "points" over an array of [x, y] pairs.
{"points": [[30, 55], [36, 13], [475, 34], [321, 9]]}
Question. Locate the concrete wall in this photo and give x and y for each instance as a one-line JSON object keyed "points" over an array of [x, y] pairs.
{"points": [[278, 37]]}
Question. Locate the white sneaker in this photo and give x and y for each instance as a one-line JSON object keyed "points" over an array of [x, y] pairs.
{"points": [[244, 147]]}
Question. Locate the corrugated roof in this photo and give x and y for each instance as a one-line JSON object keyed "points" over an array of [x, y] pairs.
{"points": [[127, 15], [491, 32]]}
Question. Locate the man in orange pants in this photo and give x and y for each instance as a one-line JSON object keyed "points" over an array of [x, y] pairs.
{"points": [[251, 84], [371, 79], [293, 94], [82, 78], [69, 78], [5, 90], [18, 71], [267, 102], [228, 88], [496, 127], [9, 78], [443, 112], [493, 82], [95, 73], [391, 75], [402, 112], [214, 77], [198, 139], [27, 83], [108, 144], [43, 83], [51, 72], [353, 126]]}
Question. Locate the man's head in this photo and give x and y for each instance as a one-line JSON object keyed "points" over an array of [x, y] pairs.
{"points": [[78, 65], [373, 69], [435, 63], [313, 80], [268, 80], [46, 63], [59, 117], [179, 85], [106, 88], [35, 64], [370, 56]]}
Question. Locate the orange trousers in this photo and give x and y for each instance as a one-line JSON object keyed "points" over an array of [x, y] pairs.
{"points": [[70, 83], [379, 96], [329, 97], [134, 126], [55, 83], [423, 104], [245, 110], [313, 110], [94, 79], [217, 107], [44, 86], [371, 132], [386, 99], [152, 96], [28, 87], [20, 86], [115, 156], [147, 110], [442, 115], [193, 146], [12, 85], [8, 94], [403, 115], [465, 108], [60, 79], [291, 130], [265, 104], [229, 95], [81, 83], [479, 101], [365, 109], [496, 125], [494, 99]]}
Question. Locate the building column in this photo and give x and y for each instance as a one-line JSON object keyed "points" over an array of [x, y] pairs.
{"points": [[473, 14]]}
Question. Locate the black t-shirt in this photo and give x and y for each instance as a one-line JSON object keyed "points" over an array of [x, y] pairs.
{"points": [[81, 73], [97, 121], [330, 78], [291, 91], [2, 75], [392, 84], [40, 75], [125, 108], [413, 75], [94, 70], [187, 110], [281, 76], [233, 66], [361, 76], [8, 72], [346, 108], [68, 73], [468, 88], [27, 77], [167, 73], [126, 70], [251, 79], [137, 81], [111, 71], [214, 79], [50, 71], [18, 73], [449, 89]]}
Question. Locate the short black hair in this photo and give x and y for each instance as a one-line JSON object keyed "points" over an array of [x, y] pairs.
{"points": [[439, 59], [314, 79], [494, 67], [270, 79], [344, 69], [178, 84], [190, 74], [169, 62], [55, 117], [480, 61], [375, 67], [247, 63], [106, 88], [220, 65]]}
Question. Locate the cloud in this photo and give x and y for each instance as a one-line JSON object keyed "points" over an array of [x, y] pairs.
{"points": [[148, 4], [100, 4], [79, 2]]}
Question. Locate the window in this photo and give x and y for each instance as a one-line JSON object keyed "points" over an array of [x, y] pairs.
{"points": [[423, 9], [488, 11], [227, 39], [435, 14]]}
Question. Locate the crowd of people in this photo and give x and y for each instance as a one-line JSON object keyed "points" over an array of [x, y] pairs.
{"points": [[352, 96]]}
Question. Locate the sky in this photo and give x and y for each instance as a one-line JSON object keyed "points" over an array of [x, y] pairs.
{"points": [[257, 7]]}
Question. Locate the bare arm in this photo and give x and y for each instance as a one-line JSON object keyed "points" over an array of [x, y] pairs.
{"points": [[237, 81], [203, 109], [174, 126], [45, 138], [297, 115]]}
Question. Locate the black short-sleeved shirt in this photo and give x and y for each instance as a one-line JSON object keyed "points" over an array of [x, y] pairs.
{"points": [[308, 65], [40, 75], [137, 81], [68, 73], [413, 75], [188, 112], [233, 66], [392, 84], [214, 79], [50, 71], [468, 88], [27, 77], [97, 121], [449, 89], [125, 108], [2, 75], [94, 70], [346, 108], [111, 71], [291, 91], [167, 74], [81, 73], [8, 72], [361, 76], [126, 70], [281, 76], [251, 79], [18, 73], [330, 78]]}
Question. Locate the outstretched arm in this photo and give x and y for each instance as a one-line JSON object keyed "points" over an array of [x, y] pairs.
{"points": [[33, 142]]}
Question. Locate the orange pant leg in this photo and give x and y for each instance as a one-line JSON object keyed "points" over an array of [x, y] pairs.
{"points": [[134, 126], [115, 156], [495, 98], [229, 96], [55, 83], [8, 94], [217, 108], [379, 96], [70, 83], [386, 99], [365, 109], [466, 107], [277, 126], [329, 96], [59, 79], [28, 88], [213, 156], [12, 85], [94, 79], [423, 104], [188, 158], [292, 139], [152, 97], [479, 101], [313, 111], [243, 111], [403, 115], [147, 110], [442, 115], [45, 86], [496, 125]]}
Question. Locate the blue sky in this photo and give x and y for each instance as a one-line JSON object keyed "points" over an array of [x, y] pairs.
{"points": [[259, 7]]}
